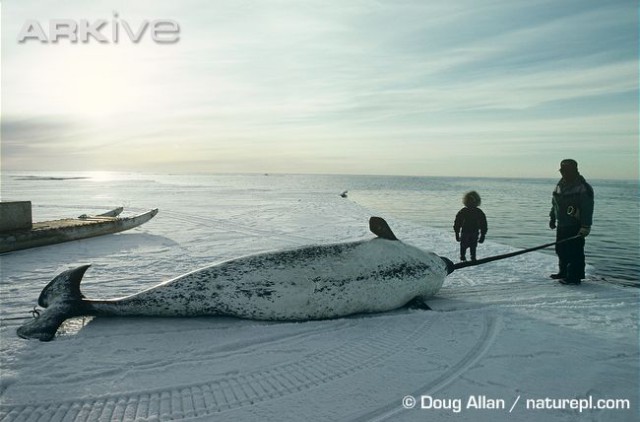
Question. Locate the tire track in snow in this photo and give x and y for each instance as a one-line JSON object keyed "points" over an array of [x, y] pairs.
{"points": [[491, 328], [231, 391]]}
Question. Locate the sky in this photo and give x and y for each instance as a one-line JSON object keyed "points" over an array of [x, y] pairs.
{"points": [[482, 88]]}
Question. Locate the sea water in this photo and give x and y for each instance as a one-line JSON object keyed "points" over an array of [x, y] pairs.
{"points": [[517, 209], [518, 214]]}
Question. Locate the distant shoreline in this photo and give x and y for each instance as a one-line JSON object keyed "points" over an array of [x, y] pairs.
{"points": [[89, 174], [48, 178]]}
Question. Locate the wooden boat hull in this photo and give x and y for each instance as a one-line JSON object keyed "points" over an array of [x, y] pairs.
{"points": [[58, 231]]}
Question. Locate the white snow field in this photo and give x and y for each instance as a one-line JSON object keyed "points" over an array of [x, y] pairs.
{"points": [[502, 342]]}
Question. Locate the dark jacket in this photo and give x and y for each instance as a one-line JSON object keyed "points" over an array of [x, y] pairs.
{"points": [[470, 220], [572, 203]]}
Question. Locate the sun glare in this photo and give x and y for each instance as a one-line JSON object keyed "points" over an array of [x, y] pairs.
{"points": [[102, 176], [88, 81]]}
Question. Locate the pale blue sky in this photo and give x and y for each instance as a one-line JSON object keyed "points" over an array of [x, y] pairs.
{"points": [[502, 88]]}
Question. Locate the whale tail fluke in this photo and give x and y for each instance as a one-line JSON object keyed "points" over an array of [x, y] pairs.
{"points": [[61, 299], [64, 287]]}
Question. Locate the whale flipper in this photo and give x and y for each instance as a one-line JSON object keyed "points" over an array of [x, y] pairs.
{"points": [[417, 303], [380, 228]]}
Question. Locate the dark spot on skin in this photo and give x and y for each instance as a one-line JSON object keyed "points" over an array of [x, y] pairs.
{"points": [[399, 271]]}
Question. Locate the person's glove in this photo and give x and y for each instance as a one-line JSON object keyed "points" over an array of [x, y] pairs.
{"points": [[552, 224], [584, 231], [481, 240], [457, 237]]}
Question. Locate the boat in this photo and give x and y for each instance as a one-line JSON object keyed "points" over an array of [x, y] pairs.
{"points": [[113, 213], [51, 232]]}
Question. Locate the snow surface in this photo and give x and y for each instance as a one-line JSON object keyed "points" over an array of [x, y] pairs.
{"points": [[502, 330]]}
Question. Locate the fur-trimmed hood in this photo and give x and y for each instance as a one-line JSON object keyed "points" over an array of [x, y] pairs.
{"points": [[471, 199]]}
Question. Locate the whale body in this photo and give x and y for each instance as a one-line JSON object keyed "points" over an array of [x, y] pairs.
{"points": [[307, 283]]}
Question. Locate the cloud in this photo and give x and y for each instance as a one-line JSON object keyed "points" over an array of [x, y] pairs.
{"points": [[26, 141], [301, 85]]}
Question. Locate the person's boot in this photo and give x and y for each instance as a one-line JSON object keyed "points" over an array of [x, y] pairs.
{"points": [[562, 272], [573, 277]]}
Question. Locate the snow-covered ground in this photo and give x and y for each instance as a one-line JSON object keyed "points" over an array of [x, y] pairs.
{"points": [[501, 336]]}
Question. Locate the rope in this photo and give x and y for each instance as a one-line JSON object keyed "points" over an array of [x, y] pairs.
{"points": [[35, 313]]}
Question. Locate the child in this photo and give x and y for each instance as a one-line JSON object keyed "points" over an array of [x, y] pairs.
{"points": [[472, 221]]}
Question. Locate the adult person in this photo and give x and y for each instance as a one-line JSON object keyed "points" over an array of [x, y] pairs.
{"points": [[571, 214]]}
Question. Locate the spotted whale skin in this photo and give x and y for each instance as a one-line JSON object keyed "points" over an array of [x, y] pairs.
{"points": [[307, 283]]}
